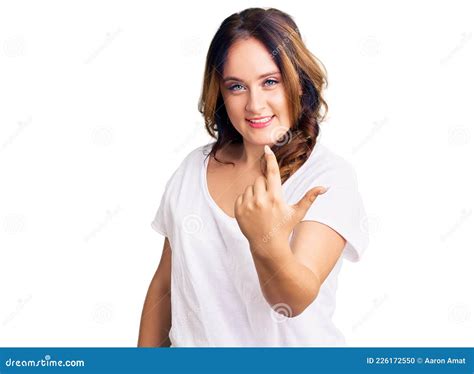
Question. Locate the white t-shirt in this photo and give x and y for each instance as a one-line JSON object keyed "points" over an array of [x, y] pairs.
{"points": [[216, 298]]}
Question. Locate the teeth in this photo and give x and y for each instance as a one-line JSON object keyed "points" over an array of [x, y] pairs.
{"points": [[263, 120]]}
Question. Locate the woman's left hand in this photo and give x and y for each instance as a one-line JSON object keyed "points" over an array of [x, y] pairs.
{"points": [[262, 214]]}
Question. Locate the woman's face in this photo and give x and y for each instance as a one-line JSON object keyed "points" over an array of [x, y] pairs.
{"points": [[253, 93]]}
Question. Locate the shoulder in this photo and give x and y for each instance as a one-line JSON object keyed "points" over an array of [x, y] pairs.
{"points": [[197, 153], [341, 208], [326, 166], [195, 156], [190, 166]]}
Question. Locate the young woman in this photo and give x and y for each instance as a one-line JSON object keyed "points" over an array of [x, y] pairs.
{"points": [[251, 257]]}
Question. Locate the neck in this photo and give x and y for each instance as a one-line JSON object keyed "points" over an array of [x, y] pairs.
{"points": [[250, 155]]}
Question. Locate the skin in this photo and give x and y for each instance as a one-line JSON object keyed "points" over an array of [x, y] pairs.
{"points": [[251, 87], [155, 322]]}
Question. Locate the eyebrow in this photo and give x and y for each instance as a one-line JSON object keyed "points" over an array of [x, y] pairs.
{"points": [[241, 80]]}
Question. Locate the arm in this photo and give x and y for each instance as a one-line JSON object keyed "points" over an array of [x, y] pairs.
{"points": [[293, 274], [155, 321], [289, 273]]}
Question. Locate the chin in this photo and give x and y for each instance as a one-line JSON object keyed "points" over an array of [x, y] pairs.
{"points": [[263, 139]]}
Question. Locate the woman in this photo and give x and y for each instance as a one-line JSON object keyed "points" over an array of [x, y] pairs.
{"points": [[250, 258]]}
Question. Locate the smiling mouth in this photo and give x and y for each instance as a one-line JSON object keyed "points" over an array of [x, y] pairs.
{"points": [[260, 121]]}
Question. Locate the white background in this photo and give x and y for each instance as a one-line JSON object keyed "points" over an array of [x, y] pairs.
{"points": [[98, 105]]}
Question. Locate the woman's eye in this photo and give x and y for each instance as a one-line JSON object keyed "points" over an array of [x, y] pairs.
{"points": [[271, 82], [239, 87], [235, 87]]}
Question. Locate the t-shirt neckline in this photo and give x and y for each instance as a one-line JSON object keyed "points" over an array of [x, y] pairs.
{"points": [[216, 207]]}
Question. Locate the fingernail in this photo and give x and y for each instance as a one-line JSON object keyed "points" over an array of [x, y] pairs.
{"points": [[267, 149], [324, 189]]}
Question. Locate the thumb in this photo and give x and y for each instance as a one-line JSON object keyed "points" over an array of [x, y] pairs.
{"points": [[307, 200]]}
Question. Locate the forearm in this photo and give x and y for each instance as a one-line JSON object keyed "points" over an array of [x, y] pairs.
{"points": [[155, 322], [283, 279]]}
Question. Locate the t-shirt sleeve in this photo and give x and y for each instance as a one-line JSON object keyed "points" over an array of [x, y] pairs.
{"points": [[342, 209], [159, 222], [162, 217], [163, 221]]}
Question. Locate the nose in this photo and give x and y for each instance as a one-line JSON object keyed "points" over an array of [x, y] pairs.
{"points": [[255, 102]]}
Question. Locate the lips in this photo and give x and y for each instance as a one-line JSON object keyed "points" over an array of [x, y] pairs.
{"points": [[259, 122]]}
